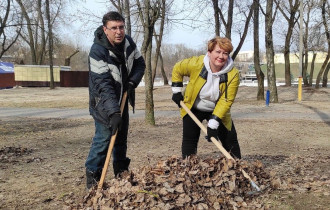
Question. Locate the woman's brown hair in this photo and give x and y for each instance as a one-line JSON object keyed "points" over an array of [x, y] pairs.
{"points": [[222, 42]]}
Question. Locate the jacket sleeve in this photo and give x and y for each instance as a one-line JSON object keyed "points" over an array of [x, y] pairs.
{"points": [[184, 68], [103, 84], [138, 68], [224, 103]]}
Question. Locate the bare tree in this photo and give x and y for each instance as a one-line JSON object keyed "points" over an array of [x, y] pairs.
{"points": [[216, 17], [256, 57], [68, 58], [289, 10], [327, 33], [162, 69], [128, 17], [159, 38], [172, 53], [9, 22], [325, 76], [245, 31], [310, 5], [229, 22], [34, 33], [119, 5], [149, 14], [316, 43], [310, 82], [271, 76], [123, 7], [50, 44], [245, 11]]}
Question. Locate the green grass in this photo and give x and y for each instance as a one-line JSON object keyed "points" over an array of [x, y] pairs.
{"points": [[279, 68]]}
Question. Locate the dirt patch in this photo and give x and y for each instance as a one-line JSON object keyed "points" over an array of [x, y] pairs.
{"points": [[42, 160]]}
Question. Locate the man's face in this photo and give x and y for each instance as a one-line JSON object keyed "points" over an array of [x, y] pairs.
{"points": [[218, 58], [115, 31]]}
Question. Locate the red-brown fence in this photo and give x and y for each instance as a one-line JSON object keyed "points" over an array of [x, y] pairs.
{"points": [[74, 78], [7, 80]]}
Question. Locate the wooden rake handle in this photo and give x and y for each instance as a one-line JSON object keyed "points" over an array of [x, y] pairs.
{"points": [[220, 147], [112, 143]]}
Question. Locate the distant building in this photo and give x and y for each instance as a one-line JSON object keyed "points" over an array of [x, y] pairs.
{"points": [[6, 67], [7, 78], [37, 75], [247, 56], [294, 57]]}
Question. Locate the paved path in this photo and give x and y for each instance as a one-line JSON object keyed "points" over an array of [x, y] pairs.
{"points": [[263, 113], [68, 113]]}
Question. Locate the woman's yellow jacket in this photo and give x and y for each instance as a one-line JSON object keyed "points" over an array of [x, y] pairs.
{"points": [[194, 69]]}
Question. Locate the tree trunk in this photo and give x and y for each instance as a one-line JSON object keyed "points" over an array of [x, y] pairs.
{"points": [[256, 57], [128, 18], [50, 43], [325, 63], [30, 39], [216, 17], [162, 69], [159, 40], [271, 76], [287, 64], [41, 52], [154, 69], [290, 18], [230, 19], [149, 111], [325, 76], [305, 66], [7, 43], [4, 20], [246, 28], [148, 16], [310, 82], [305, 42]]}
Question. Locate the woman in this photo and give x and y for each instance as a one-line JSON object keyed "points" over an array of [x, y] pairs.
{"points": [[210, 93]]}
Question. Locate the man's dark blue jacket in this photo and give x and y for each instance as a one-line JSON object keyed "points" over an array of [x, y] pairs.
{"points": [[110, 70]]}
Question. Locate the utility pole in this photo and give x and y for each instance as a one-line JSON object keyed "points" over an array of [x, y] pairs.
{"points": [[300, 49]]}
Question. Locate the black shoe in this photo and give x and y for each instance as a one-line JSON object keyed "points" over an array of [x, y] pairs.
{"points": [[121, 166], [92, 178]]}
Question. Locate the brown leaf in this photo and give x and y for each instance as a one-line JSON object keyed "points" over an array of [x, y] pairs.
{"points": [[276, 183], [179, 188]]}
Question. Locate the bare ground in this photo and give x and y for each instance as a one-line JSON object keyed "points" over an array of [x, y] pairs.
{"points": [[42, 160]]}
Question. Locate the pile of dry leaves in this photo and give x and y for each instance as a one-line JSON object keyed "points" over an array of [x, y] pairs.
{"points": [[183, 184], [10, 154]]}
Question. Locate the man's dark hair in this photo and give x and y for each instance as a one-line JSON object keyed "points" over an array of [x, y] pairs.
{"points": [[112, 16]]}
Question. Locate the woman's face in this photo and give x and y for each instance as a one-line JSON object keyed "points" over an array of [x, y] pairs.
{"points": [[218, 58]]}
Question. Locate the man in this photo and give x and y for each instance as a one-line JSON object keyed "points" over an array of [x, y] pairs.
{"points": [[115, 66], [210, 93]]}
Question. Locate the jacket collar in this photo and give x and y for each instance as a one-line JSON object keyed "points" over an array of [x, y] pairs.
{"points": [[203, 73]]}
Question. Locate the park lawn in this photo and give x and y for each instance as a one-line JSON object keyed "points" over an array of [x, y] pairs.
{"points": [[280, 70]]}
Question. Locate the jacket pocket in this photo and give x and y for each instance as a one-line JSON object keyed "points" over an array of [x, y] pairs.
{"points": [[100, 113]]}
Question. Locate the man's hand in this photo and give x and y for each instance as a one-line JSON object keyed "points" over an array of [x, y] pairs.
{"points": [[115, 122], [177, 97], [131, 94], [212, 133]]}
